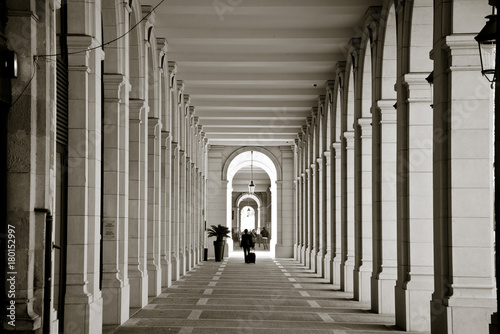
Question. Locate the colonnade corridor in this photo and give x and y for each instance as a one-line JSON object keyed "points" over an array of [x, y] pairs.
{"points": [[270, 296]]}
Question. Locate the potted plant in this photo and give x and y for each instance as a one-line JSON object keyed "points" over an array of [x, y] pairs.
{"points": [[220, 232]]}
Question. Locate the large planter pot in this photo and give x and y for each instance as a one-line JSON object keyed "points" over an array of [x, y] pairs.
{"points": [[219, 250]]}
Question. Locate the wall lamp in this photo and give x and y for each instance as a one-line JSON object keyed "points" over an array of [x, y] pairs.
{"points": [[487, 42]]}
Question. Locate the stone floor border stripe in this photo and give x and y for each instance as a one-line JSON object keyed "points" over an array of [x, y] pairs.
{"points": [[326, 317], [186, 330], [208, 291], [313, 303], [195, 314], [304, 294], [202, 301]]}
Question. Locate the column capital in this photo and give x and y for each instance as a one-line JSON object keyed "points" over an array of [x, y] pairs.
{"points": [[463, 51], [137, 109], [154, 127], [112, 86], [349, 138], [327, 158], [365, 125]]}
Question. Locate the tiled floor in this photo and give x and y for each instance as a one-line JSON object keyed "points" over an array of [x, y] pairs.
{"points": [[271, 296]]}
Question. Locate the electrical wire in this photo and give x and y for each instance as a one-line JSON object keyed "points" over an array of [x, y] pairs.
{"points": [[35, 67], [107, 43]]}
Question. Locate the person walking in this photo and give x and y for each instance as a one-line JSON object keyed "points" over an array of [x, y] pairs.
{"points": [[246, 244]]}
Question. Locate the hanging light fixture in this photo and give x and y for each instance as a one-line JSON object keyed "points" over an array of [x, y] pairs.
{"points": [[487, 42], [251, 186]]}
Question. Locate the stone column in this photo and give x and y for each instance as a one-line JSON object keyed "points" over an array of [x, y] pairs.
{"points": [[182, 212], [175, 212], [296, 253], [320, 183], [216, 192], [347, 283], [464, 295], [154, 191], [329, 223], [138, 278], [363, 210], [285, 200], [384, 208], [414, 205], [308, 218], [83, 304], [166, 229], [115, 284], [313, 216], [337, 219]]}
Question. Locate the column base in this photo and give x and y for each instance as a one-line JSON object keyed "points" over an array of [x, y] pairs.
{"points": [[23, 317], [347, 283], [138, 290], [154, 282], [319, 265], [182, 265], [362, 284], [328, 265], [337, 271], [382, 295], [189, 260], [462, 315], [308, 258], [166, 273], [175, 269], [83, 318], [283, 251], [303, 253], [117, 301], [412, 308]]}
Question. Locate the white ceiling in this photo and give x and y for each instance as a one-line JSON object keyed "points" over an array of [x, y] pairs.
{"points": [[249, 66]]}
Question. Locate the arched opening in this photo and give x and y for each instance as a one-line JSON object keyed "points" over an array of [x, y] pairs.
{"points": [[262, 203]]}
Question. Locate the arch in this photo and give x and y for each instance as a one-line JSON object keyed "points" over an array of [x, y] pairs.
{"points": [[267, 161], [267, 153], [386, 67], [418, 48], [365, 84], [244, 196], [338, 113], [114, 26], [348, 110], [136, 55], [153, 69]]}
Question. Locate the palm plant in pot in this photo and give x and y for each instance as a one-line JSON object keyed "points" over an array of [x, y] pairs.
{"points": [[220, 232]]}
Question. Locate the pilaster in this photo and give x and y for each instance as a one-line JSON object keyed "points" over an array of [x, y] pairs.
{"points": [[363, 209], [115, 284], [347, 283], [154, 200], [137, 273], [464, 295], [384, 273], [337, 248]]}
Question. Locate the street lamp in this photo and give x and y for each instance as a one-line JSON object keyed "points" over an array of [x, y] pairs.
{"points": [[487, 42]]}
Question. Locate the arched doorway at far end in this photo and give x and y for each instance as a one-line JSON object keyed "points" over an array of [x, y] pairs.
{"points": [[264, 197]]}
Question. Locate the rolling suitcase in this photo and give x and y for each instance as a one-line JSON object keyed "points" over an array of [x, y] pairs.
{"points": [[251, 257]]}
